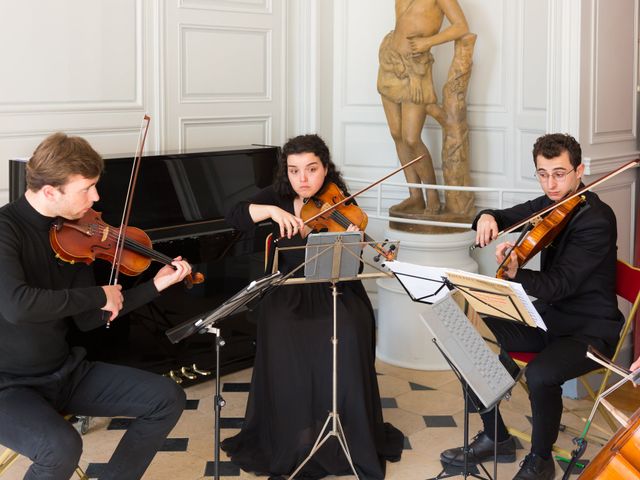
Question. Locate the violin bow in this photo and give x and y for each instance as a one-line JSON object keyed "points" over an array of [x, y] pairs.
{"points": [[126, 213], [344, 200], [586, 188]]}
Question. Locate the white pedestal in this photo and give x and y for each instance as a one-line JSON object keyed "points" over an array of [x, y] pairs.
{"points": [[403, 339]]}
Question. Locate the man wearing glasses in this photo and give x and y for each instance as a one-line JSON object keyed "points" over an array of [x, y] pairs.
{"points": [[575, 292]]}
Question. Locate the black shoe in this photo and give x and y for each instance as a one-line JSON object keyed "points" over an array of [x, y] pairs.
{"points": [[534, 467], [480, 450]]}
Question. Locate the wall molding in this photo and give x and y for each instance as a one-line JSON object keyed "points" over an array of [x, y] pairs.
{"points": [[236, 6], [186, 122], [265, 96]]}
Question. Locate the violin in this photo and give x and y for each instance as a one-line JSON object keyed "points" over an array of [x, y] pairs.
{"points": [[545, 230], [534, 238], [318, 214], [334, 199], [89, 237]]}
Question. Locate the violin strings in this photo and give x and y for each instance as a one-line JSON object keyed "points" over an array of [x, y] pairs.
{"points": [[136, 246], [345, 222]]}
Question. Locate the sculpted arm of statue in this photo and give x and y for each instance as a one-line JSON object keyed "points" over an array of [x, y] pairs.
{"points": [[457, 29]]}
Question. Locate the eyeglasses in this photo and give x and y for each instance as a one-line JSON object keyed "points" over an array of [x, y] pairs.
{"points": [[558, 176]]}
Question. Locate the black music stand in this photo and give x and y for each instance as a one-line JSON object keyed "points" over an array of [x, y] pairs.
{"points": [[428, 285], [207, 324]]}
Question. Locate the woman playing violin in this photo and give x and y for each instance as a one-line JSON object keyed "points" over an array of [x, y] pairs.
{"points": [[40, 375], [291, 386], [575, 291]]}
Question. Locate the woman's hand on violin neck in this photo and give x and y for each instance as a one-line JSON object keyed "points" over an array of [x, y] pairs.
{"points": [[510, 268], [353, 228], [168, 275], [486, 230], [115, 300]]}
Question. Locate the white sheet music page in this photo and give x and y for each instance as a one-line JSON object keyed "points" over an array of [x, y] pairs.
{"points": [[423, 283], [513, 287], [522, 295]]}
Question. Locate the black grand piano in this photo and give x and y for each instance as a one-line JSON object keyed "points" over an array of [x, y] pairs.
{"points": [[180, 200]]}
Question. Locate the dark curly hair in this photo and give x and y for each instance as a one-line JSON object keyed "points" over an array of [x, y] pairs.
{"points": [[552, 145], [305, 144]]}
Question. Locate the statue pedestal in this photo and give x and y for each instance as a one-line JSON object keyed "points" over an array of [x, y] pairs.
{"points": [[403, 339]]}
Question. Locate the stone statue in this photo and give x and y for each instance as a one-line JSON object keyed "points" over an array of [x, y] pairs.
{"points": [[406, 85]]}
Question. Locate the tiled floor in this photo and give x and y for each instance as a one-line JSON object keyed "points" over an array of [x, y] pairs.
{"points": [[426, 405]]}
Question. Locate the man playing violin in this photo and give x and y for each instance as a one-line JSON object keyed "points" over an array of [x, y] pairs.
{"points": [[41, 376], [575, 292]]}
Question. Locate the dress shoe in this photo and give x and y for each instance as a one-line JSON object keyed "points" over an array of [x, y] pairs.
{"points": [[534, 467], [480, 450]]}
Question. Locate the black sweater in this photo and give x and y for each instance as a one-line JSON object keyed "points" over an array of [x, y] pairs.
{"points": [[575, 286], [40, 294]]}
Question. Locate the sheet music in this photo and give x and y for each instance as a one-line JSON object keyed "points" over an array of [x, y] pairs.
{"points": [[487, 295], [507, 287]]}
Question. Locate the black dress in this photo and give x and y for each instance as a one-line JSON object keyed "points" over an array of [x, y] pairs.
{"points": [[291, 394]]}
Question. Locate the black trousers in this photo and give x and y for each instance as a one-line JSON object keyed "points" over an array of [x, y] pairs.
{"points": [[32, 425], [559, 359]]}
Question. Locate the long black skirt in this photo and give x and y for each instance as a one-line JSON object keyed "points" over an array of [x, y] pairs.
{"points": [[291, 388]]}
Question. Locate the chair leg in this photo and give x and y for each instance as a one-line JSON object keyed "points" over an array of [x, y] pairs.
{"points": [[527, 438], [9, 456], [6, 459], [81, 474]]}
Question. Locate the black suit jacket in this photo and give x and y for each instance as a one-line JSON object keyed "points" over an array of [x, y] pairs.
{"points": [[575, 286]]}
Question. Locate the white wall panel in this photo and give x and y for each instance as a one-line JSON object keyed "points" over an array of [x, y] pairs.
{"points": [[198, 133], [614, 72], [532, 56], [526, 168], [368, 145], [55, 66], [212, 73], [223, 65], [487, 148], [489, 19], [361, 48]]}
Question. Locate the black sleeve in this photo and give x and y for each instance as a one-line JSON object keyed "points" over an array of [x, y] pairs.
{"points": [[133, 298], [238, 215], [510, 216], [23, 303]]}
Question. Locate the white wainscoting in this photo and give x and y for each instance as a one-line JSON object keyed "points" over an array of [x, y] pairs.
{"points": [[210, 73]]}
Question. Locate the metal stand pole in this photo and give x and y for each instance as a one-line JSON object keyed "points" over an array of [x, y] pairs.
{"points": [[465, 445], [218, 403], [336, 427]]}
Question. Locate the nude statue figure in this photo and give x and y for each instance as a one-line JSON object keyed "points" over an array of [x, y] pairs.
{"points": [[406, 85]]}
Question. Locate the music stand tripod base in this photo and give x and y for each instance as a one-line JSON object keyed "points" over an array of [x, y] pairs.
{"points": [[333, 417]]}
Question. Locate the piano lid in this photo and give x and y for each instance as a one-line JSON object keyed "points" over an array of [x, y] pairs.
{"points": [[184, 189], [179, 194]]}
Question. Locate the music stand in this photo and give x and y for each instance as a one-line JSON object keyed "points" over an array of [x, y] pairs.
{"points": [[430, 285], [329, 257], [207, 324]]}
